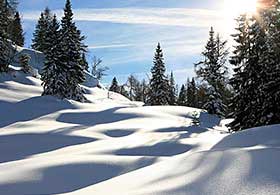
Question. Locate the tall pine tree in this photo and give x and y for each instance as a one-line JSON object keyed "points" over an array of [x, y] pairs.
{"points": [[271, 90], [172, 90], [158, 94], [15, 31], [73, 48], [182, 99], [54, 72], [213, 71], [39, 36], [191, 93], [257, 72], [6, 50], [114, 86]]}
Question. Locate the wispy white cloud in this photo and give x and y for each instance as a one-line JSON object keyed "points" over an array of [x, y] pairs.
{"points": [[110, 46], [156, 16]]}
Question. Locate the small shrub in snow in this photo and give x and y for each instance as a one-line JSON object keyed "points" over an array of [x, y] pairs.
{"points": [[195, 119]]}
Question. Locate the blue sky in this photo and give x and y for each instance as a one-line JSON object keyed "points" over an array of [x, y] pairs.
{"points": [[124, 33]]}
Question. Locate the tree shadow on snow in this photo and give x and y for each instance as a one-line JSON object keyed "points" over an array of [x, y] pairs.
{"points": [[119, 132], [30, 109], [95, 118], [71, 177], [19, 146], [171, 148]]}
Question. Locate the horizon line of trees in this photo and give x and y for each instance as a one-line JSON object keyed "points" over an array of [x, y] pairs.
{"points": [[251, 96]]}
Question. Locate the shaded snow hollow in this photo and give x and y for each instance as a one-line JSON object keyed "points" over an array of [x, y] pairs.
{"points": [[115, 146]]}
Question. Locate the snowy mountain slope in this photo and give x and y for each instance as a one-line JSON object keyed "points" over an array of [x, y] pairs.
{"points": [[115, 146]]}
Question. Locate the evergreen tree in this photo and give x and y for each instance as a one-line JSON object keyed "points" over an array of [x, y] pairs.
{"points": [[191, 93], [15, 31], [54, 72], [158, 94], [271, 90], [24, 62], [182, 99], [252, 57], [213, 71], [114, 86], [123, 91], [84, 62], [172, 90], [39, 36], [73, 48], [201, 95], [6, 49]]}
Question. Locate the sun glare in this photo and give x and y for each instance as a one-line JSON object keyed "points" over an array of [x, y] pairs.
{"points": [[237, 7]]}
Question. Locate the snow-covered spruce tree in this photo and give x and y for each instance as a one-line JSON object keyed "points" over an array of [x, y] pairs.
{"points": [[213, 71], [123, 91], [54, 71], [114, 86], [191, 93], [6, 49], [39, 36], [16, 34], [239, 61], [24, 62], [73, 48], [158, 94], [172, 90], [84, 62], [252, 62], [271, 90], [182, 99]]}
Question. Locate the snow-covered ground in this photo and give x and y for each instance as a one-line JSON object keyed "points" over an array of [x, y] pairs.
{"points": [[115, 146]]}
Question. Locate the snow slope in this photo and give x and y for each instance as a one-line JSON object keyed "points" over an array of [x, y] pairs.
{"points": [[115, 146]]}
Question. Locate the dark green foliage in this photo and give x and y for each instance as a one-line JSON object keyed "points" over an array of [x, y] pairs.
{"points": [[158, 93], [6, 50], [54, 72], [71, 58], [201, 95], [172, 90], [15, 31], [84, 62], [39, 36], [114, 86], [24, 62], [191, 93], [257, 70], [182, 99], [123, 91]]}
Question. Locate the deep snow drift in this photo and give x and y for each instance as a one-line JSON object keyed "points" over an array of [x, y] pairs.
{"points": [[115, 146]]}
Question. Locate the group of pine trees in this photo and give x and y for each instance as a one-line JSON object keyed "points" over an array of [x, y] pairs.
{"points": [[11, 32], [161, 88], [64, 50], [256, 79]]}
